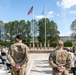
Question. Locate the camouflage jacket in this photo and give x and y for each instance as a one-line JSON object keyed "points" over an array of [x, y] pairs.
{"points": [[18, 53], [60, 57]]}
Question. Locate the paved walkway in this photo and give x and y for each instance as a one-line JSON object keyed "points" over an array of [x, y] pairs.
{"points": [[38, 64]]}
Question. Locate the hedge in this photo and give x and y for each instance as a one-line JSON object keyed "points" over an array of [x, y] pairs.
{"points": [[6, 43], [52, 44], [68, 44]]}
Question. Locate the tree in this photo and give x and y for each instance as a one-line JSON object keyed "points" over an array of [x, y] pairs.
{"points": [[54, 33], [6, 31], [73, 29], [51, 30], [35, 25], [15, 27], [1, 30], [28, 31], [9, 28], [25, 29], [22, 28], [41, 25], [34, 29]]}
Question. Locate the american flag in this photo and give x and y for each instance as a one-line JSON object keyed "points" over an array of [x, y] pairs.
{"points": [[30, 11]]}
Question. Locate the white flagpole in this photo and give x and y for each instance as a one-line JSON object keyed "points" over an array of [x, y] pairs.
{"points": [[45, 25], [33, 28]]}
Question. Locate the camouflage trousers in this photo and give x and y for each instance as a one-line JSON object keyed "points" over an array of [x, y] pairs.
{"points": [[22, 71], [56, 72]]}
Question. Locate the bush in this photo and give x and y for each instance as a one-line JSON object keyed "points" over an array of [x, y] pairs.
{"points": [[6, 43], [68, 44], [27, 43], [52, 44]]}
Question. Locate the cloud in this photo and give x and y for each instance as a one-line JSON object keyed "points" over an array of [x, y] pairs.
{"points": [[72, 12], [39, 16], [66, 3], [49, 15]]}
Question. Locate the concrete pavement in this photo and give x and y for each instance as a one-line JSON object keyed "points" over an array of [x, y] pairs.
{"points": [[38, 64]]}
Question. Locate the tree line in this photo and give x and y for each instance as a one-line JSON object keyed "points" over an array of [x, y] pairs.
{"points": [[9, 30]]}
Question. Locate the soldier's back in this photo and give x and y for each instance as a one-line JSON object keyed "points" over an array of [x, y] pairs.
{"points": [[18, 51], [61, 57]]}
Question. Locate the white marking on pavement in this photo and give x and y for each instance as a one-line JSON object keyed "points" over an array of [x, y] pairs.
{"points": [[39, 69], [30, 68]]}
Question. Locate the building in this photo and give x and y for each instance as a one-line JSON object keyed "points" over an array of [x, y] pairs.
{"points": [[68, 38], [65, 38]]}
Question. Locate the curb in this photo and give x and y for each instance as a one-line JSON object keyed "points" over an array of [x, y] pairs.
{"points": [[41, 50]]}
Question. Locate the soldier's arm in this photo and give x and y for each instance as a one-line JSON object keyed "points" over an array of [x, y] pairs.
{"points": [[51, 62], [69, 61], [9, 56], [26, 56]]}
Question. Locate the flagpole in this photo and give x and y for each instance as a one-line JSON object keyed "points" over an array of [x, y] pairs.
{"points": [[33, 29], [29, 12], [45, 26]]}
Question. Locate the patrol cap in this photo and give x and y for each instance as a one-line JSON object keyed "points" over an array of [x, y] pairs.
{"points": [[60, 42], [19, 37], [69, 49]]}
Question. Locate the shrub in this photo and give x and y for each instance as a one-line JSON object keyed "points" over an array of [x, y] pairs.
{"points": [[6, 43], [68, 44]]}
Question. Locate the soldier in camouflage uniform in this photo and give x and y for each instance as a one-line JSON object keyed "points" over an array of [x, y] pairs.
{"points": [[60, 60], [18, 56]]}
